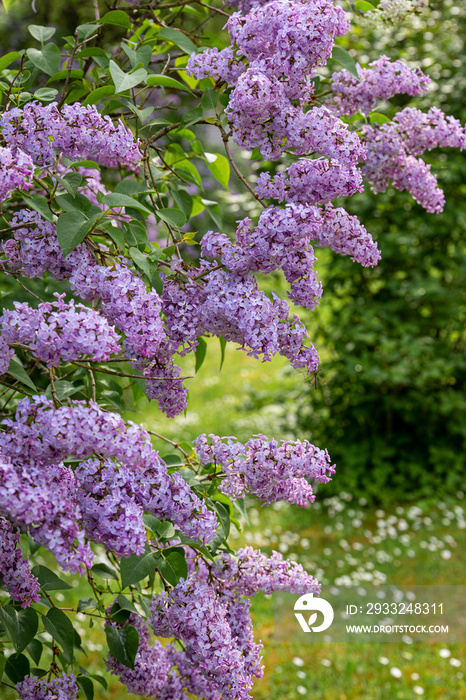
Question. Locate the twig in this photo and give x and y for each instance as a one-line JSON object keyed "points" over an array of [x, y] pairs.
{"points": [[124, 374], [92, 378], [28, 290], [56, 402], [26, 224], [96, 10], [170, 442], [235, 168]]}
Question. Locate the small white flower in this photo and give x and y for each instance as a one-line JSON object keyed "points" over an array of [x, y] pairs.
{"points": [[418, 689], [415, 676], [326, 662], [297, 661], [395, 672], [383, 660], [444, 653], [301, 690], [455, 662], [446, 554]]}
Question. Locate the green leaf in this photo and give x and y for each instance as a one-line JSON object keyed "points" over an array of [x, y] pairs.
{"points": [[214, 212], [223, 344], [342, 57], [104, 571], [17, 667], [151, 522], [64, 389], [224, 515], [98, 94], [86, 685], [141, 261], [219, 167], [191, 117], [73, 227], [178, 38], [165, 530], [184, 201], [136, 567], [84, 31], [117, 236], [377, 118], [125, 81], [47, 59], [59, 626], [123, 644], [2, 664], [48, 580], [209, 99], [117, 199], [126, 604], [166, 81], [8, 59], [117, 17], [173, 567], [34, 649], [41, 33], [86, 604], [201, 351], [46, 94], [173, 217], [7, 4], [17, 371], [363, 6], [74, 74], [21, 626]]}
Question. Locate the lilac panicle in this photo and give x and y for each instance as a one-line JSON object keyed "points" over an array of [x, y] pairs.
{"points": [[60, 332], [269, 470], [15, 574], [62, 688]]}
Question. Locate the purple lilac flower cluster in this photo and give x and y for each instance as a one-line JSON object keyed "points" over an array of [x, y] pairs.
{"points": [[39, 498], [269, 470], [229, 304], [381, 81], [60, 332], [62, 688], [287, 39], [311, 182], [125, 301], [279, 45], [15, 574], [393, 147], [75, 131], [194, 614], [110, 498], [16, 170]]}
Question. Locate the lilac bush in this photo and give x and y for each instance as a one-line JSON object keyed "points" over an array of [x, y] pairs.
{"points": [[104, 311]]}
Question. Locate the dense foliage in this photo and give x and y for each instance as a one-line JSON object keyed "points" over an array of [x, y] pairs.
{"points": [[104, 160], [391, 411]]}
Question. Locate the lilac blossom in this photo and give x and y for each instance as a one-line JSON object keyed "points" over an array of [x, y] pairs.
{"points": [[192, 613], [311, 182], [381, 81], [16, 170], [15, 574], [40, 498], [41, 432], [287, 39], [6, 353], [392, 148], [75, 131], [62, 688], [60, 332], [266, 468], [345, 234], [221, 65]]}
